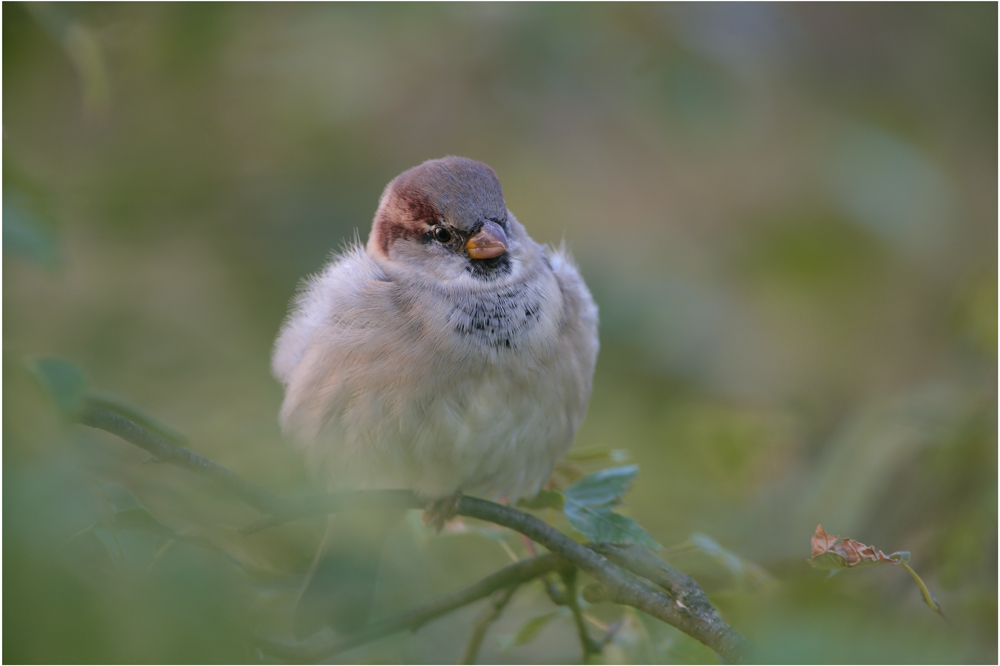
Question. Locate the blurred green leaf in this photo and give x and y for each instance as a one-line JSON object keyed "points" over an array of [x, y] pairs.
{"points": [[84, 52], [533, 627], [589, 505], [141, 520], [598, 453], [744, 571], [65, 383], [545, 499], [109, 540], [813, 251], [24, 231], [121, 498], [528, 631], [128, 513], [603, 526], [607, 486], [976, 315]]}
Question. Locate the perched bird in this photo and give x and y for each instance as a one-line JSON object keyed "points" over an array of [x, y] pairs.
{"points": [[451, 354]]}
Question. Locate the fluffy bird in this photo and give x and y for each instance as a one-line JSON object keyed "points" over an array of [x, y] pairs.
{"points": [[451, 354]]}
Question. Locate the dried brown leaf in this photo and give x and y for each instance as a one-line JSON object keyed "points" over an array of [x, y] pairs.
{"points": [[830, 551]]}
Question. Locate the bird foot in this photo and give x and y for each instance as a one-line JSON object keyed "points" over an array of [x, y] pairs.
{"points": [[439, 512]]}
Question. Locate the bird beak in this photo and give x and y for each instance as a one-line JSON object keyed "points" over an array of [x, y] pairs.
{"points": [[490, 242]]}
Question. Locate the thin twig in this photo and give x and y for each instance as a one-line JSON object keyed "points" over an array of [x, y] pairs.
{"points": [[569, 581], [99, 416], [612, 630], [490, 615], [554, 593], [510, 576]]}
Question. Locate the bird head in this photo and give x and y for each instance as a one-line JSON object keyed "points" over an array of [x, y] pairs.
{"points": [[448, 217]]}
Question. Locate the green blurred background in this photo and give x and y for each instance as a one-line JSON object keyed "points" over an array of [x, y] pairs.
{"points": [[786, 213]]}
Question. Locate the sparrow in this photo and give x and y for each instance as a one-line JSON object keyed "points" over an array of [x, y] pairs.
{"points": [[450, 354]]}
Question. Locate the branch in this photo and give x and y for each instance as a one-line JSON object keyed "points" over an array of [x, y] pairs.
{"points": [[510, 576], [688, 611], [99, 416], [619, 585], [687, 608], [695, 611]]}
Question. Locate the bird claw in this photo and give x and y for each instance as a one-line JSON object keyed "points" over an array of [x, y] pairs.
{"points": [[439, 512]]}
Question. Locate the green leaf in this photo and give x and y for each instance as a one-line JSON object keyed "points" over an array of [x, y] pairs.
{"points": [[828, 562], [529, 630], [604, 526], [545, 499], [121, 498], [25, 235], [533, 627], [593, 453], [108, 539], [27, 220], [141, 520], [128, 513], [742, 570], [619, 455], [83, 49], [607, 486], [65, 383], [589, 505]]}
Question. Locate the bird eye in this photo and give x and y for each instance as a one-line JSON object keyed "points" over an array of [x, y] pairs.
{"points": [[441, 235]]}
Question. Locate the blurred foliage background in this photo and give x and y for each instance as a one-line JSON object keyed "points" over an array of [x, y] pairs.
{"points": [[786, 213]]}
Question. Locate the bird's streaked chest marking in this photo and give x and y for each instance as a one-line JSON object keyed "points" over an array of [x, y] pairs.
{"points": [[499, 319]]}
